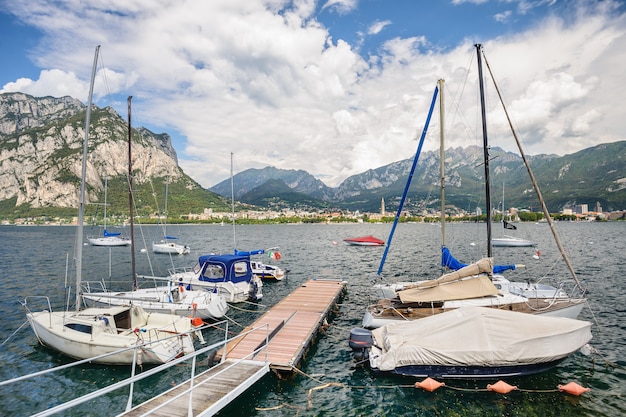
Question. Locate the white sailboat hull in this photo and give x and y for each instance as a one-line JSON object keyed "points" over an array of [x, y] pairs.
{"points": [[109, 241], [170, 248], [92, 332], [511, 242], [166, 300]]}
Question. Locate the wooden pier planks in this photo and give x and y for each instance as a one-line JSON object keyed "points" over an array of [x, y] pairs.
{"points": [[213, 390], [292, 324]]}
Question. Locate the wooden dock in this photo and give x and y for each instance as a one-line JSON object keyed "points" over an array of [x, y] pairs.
{"points": [[212, 390], [288, 330], [293, 324]]}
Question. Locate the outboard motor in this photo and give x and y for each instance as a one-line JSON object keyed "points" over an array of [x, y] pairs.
{"points": [[360, 341]]}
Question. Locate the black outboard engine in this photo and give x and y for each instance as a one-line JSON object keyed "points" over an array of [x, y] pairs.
{"points": [[360, 341]]}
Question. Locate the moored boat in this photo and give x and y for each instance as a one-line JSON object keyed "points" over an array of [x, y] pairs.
{"points": [[227, 275], [364, 241], [471, 343]]}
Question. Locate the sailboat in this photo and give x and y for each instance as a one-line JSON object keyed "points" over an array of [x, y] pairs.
{"points": [[171, 298], [108, 238], [111, 331], [506, 240], [483, 286], [227, 275], [167, 245]]}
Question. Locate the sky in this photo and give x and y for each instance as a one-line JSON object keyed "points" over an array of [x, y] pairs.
{"points": [[332, 87]]}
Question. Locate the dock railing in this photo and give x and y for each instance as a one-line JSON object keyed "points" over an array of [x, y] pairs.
{"points": [[134, 377]]}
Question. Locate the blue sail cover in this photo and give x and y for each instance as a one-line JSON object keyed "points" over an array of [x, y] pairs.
{"points": [[250, 253], [109, 234], [451, 262], [170, 237]]}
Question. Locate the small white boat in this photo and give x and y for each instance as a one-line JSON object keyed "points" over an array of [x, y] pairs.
{"points": [[511, 242], [167, 247], [262, 270], [109, 239], [168, 299], [471, 343], [267, 272], [97, 331]]}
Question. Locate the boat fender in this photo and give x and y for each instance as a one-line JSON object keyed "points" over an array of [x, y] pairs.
{"points": [[429, 384], [501, 387], [574, 389]]}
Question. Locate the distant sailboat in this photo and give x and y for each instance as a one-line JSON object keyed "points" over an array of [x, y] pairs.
{"points": [[167, 245], [506, 240], [108, 238]]}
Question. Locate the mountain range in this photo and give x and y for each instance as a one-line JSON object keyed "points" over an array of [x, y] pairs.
{"points": [[593, 176], [41, 149]]}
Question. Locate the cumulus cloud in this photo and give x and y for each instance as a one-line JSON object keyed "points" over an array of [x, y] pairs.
{"points": [[378, 26], [267, 81]]}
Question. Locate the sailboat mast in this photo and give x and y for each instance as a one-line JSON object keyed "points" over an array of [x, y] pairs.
{"points": [[442, 164], [130, 199], [232, 200], [408, 182], [485, 148], [81, 198], [546, 213]]}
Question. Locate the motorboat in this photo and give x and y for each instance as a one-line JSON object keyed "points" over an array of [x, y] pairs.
{"points": [[364, 241], [472, 343]]}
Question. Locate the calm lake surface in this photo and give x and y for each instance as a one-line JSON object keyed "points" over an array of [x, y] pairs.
{"points": [[33, 262]]}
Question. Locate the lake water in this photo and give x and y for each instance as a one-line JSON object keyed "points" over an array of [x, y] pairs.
{"points": [[33, 262]]}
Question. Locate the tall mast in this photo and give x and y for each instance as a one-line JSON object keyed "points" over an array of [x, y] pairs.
{"points": [[544, 208], [130, 199], [485, 148], [232, 200], [442, 164], [81, 198]]}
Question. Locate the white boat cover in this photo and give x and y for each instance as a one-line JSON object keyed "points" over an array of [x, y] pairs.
{"points": [[458, 285], [474, 287], [478, 336]]}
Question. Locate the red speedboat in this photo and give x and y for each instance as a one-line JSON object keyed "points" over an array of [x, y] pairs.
{"points": [[364, 241]]}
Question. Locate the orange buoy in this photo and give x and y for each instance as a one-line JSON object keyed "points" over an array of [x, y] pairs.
{"points": [[501, 387], [196, 321], [429, 384], [573, 388]]}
